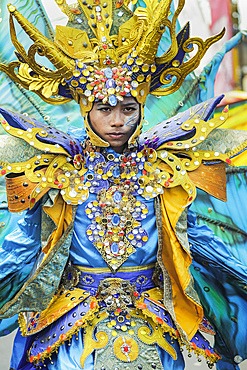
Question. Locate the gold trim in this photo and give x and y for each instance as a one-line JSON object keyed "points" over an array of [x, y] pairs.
{"points": [[102, 270]]}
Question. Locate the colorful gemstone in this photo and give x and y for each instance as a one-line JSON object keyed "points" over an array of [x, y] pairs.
{"points": [[108, 72], [119, 3]]}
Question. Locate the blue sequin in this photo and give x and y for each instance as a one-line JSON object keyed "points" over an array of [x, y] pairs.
{"points": [[116, 172], [112, 100], [114, 248], [115, 220], [110, 83], [108, 72], [117, 197]]}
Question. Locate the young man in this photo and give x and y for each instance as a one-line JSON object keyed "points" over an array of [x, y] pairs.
{"points": [[99, 267]]}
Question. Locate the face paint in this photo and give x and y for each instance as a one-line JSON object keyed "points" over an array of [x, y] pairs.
{"points": [[132, 120]]}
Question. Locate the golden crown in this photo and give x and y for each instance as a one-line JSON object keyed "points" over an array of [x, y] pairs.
{"points": [[106, 52]]}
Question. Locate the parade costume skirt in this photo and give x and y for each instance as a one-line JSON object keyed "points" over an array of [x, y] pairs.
{"points": [[105, 322]]}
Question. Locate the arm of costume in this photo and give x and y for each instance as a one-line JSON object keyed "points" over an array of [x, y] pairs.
{"points": [[55, 232], [219, 265]]}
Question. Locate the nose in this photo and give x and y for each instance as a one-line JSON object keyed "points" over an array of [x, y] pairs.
{"points": [[117, 118]]}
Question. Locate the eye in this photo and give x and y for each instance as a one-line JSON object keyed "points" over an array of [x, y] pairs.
{"points": [[104, 109], [129, 109]]}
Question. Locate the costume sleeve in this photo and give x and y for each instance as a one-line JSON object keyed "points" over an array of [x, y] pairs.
{"points": [[220, 266], [18, 254]]}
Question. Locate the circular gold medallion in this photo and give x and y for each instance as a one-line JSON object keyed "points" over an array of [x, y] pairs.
{"points": [[126, 349]]}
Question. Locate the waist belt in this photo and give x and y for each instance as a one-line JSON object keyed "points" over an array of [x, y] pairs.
{"points": [[139, 277]]}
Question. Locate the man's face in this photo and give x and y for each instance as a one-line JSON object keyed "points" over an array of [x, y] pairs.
{"points": [[115, 124]]}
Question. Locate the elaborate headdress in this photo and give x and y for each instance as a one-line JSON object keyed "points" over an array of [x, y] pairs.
{"points": [[106, 52]]}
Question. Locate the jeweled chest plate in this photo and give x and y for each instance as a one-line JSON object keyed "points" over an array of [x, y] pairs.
{"points": [[116, 229]]}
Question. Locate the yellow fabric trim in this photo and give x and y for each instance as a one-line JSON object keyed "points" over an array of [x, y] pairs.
{"points": [[176, 259], [240, 160], [102, 270], [61, 214]]}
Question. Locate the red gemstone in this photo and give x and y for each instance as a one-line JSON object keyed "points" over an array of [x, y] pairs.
{"points": [[101, 96], [114, 70], [102, 73], [128, 79], [97, 82], [31, 358], [3, 122], [60, 186], [115, 77], [75, 11], [142, 306], [104, 46], [110, 232], [170, 180], [128, 86], [118, 310], [119, 3], [32, 200], [159, 320], [190, 199], [119, 83], [3, 172], [228, 161], [166, 184], [108, 62], [120, 70], [95, 92], [123, 164], [97, 72], [136, 294], [103, 79], [193, 345], [100, 87], [48, 349], [39, 355], [62, 337], [99, 18], [122, 78], [133, 163], [92, 84], [169, 144], [126, 349], [225, 110], [151, 151], [144, 172], [125, 159], [102, 205], [93, 305], [127, 182]]}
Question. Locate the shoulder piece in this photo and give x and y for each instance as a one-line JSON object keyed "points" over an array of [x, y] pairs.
{"points": [[39, 135], [58, 164], [173, 129]]}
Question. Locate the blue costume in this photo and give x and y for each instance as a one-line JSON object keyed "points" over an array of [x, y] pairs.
{"points": [[110, 267]]}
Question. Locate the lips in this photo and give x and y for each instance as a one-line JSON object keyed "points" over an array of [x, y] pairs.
{"points": [[116, 135]]}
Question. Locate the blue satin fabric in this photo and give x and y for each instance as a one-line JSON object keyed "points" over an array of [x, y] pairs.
{"points": [[219, 266], [17, 257]]}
